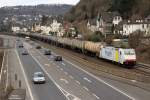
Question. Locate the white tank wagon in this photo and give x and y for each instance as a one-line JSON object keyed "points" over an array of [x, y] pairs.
{"points": [[119, 55], [67, 42], [93, 47], [60, 41], [78, 44]]}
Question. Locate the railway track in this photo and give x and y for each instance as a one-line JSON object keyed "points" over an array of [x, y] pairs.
{"points": [[144, 68], [96, 66]]}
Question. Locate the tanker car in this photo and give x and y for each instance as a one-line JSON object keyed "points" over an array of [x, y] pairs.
{"points": [[123, 56]]}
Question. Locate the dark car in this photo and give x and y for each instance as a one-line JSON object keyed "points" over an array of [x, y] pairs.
{"points": [[25, 52], [38, 47], [58, 58], [20, 46], [18, 39], [47, 52]]}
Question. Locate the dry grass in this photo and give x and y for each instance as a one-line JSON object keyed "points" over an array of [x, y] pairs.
{"points": [[143, 54]]}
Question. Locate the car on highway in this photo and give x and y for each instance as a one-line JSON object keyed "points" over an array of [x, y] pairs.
{"points": [[38, 77], [18, 40], [25, 52], [21, 45], [58, 58], [47, 52], [38, 47]]}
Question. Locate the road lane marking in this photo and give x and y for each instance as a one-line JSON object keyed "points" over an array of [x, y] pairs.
{"points": [[71, 77], [26, 80], [133, 81], [57, 66], [96, 96], [61, 69], [64, 64], [54, 64], [77, 82], [64, 80], [47, 65], [66, 73], [85, 78], [86, 88], [100, 80], [50, 77], [7, 73], [68, 94]]}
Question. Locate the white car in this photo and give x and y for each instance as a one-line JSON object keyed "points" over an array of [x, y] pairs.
{"points": [[38, 77]]}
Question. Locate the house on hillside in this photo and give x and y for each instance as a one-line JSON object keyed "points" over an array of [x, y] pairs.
{"points": [[105, 22], [15, 29], [92, 25], [132, 26]]}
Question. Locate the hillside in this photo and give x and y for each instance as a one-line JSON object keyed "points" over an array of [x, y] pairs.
{"points": [[88, 9], [34, 10]]}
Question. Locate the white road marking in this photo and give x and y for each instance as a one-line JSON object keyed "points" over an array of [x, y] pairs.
{"points": [[133, 81], [61, 69], [66, 73], [48, 74], [57, 66], [47, 65], [85, 78], [113, 87], [7, 74], [64, 64], [77, 82], [71, 77], [64, 80], [95, 96], [54, 64], [26, 80], [86, 88]]}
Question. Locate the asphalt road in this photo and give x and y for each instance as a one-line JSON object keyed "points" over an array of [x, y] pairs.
{"points": [[47, 91], [99, 89], [66, 81]]}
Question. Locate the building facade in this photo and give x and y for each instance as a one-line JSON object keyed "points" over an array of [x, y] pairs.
{"points": [[130, 27]]}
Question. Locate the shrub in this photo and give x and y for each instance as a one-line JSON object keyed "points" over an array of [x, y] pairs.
{"points": [[96, 37]]}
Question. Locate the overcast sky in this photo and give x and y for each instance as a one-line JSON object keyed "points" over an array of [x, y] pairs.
{"points": [[35, 2]]}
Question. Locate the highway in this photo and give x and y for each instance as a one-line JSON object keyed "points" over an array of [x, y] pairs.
{"points": [[98, 89], [48, 91], [64, 79]]}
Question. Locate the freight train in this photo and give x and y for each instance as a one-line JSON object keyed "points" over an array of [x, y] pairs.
{"points": [[122, 56]]}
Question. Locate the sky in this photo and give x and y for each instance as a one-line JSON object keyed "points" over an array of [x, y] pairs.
{"points": [[35, 2]]}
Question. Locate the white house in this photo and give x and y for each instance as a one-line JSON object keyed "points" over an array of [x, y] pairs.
{"points": [[55, 26], [130, 27], [15, 29], [36, 28], [24, 29], [116, 20], [105, 22], [45, 29]]}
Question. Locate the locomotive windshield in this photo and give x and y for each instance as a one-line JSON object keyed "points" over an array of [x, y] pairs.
{"points": [[129, 52]]}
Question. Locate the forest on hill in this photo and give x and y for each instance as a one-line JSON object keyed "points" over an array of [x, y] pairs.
{"points": [[129, 9]]}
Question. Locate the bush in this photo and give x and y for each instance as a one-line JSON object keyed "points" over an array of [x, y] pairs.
{"points": [[96, 37], [135, 38]]}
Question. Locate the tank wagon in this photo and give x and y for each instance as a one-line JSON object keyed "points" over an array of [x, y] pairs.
{"points": [[124, 56]]}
